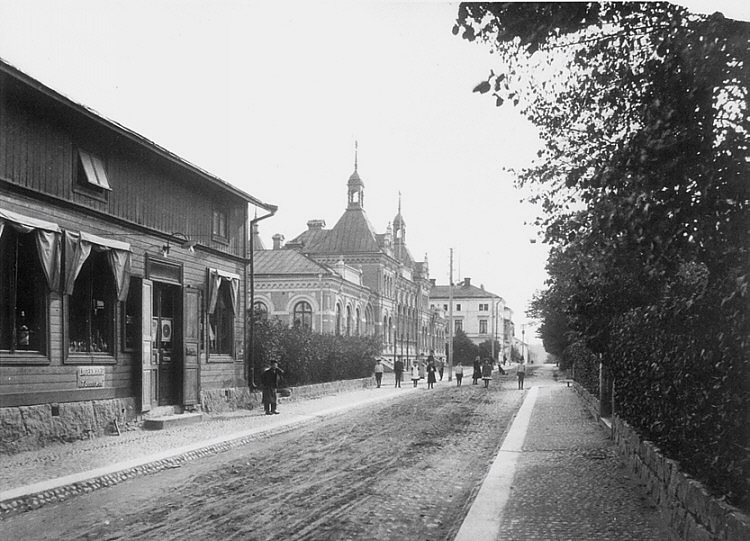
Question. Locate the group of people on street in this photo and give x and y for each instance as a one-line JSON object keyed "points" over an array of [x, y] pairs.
{"points": [[272, 377]]}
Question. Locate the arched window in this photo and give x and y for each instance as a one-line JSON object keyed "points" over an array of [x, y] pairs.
{"points": [[260, 309], [338, 319], [348, 320], [390, 330], [356, 322], [302, 315]]}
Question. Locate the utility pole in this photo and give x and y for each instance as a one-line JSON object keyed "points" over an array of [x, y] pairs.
{"points": [[450, 319]]}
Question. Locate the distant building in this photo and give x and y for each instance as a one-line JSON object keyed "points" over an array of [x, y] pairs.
{"points": [[352, 280], [482, 315], [122, 272]]}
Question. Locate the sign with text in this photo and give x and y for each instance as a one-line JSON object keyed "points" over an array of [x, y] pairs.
{"points": [[90, 376]]}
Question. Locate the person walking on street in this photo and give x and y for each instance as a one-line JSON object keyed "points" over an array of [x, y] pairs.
{"points": [[415, 373], [487, 372], [440, 367], [398, 370], [521, 373], [271, 379], [431, 370], [458, 371], [477, 373], [378, 372]]}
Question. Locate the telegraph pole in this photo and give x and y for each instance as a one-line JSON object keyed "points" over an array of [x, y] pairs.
{"points": [[450, 320]]}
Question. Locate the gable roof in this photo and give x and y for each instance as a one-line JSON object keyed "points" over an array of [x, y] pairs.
{"points": [[285, 262]]}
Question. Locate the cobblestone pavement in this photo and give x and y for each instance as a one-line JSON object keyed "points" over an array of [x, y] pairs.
{"points": [[569, 481]]}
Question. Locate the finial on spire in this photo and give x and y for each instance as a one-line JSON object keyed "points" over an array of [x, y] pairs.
{"points": [[399, 202], [356, 147]]}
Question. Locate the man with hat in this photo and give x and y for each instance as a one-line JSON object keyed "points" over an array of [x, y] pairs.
{"points": [[271, 381]]}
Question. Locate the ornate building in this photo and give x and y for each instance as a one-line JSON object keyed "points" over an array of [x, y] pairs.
{"points": [[352, 280]]}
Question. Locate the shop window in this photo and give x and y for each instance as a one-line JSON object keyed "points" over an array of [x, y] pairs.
{"points": [[23, 294], [302, 315], [91, 307], [221, 322]]}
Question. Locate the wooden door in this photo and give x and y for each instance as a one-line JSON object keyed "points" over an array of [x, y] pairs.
{"points": [[191, 306], [148, 379]]}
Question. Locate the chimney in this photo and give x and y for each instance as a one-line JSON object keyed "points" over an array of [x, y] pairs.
{"points": [[316, 225], [467, 282], [278, 238]]}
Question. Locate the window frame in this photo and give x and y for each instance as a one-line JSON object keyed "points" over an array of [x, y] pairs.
{"points": [[13, 355], [82, 182], [303, 309], [220, 236], [94, 357]]}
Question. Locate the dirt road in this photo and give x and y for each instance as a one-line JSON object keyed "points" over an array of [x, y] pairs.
{"points": [[405, 469]]}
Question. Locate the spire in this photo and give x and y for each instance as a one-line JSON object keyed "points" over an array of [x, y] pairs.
{"points": [[355, 186]]}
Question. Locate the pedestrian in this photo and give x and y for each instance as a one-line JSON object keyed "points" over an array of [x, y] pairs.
{"points": [[440, 367], [378, 372], [458, 370], [521, 373], [398, 370], [477, 373], [431, 369], [415, 373], [421, 365], [271, 379], [486, 372]]}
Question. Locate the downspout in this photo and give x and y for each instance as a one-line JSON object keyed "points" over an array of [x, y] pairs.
{"points": [[250, 347]]}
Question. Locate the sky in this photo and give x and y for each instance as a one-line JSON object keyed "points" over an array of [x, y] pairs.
{"points": [[271, 97]]}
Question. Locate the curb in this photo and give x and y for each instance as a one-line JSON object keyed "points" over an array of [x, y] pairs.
{"points": [[27, 498]]}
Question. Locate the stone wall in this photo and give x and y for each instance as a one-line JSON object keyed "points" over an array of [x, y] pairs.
{"points": [[223, 400], [23, 428], [690, 511]]}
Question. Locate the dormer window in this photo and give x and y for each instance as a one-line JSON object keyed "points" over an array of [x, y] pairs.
{"points": [[91, 172]]}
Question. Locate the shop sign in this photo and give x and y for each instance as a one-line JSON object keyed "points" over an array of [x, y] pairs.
{"points": [[90, 376]]}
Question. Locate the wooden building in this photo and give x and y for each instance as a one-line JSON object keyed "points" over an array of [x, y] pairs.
{"points": [[123, 272]]}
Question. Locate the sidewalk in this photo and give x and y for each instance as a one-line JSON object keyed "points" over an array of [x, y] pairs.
{"points": [[558, 476], [34, 478]]}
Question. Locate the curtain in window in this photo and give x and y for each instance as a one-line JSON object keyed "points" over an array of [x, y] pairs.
{"points": [[47, 235], [78, 247], [215, 277]]}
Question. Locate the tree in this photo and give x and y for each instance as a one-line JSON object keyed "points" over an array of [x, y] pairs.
{"points": [[485, 350], [643, 111], [464, 350]]}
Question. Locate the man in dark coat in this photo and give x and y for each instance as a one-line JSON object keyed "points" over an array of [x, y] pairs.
{"points": [[271, 381], [398, 370]]}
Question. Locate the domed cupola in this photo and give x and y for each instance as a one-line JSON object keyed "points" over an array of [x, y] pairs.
{"points": [[355, 186]]}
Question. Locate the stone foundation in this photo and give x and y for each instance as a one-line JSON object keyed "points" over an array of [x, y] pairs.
{"points": [[24, 428], [690, 511]]}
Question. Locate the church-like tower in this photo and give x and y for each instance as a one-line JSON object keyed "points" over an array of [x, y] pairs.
{"points": [[355, 187]]}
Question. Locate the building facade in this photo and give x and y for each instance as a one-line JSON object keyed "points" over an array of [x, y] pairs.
{"points": [[122, 272], [352, 280], [480, 314]]}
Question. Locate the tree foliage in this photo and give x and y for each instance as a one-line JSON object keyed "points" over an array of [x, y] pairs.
{"points": [[643, 181], [464, 350], [308, 357]]}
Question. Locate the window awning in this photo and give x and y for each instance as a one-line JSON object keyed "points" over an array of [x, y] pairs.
{"points": [[78, 247], [27, 221], [47, 236], [215, 277]]}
